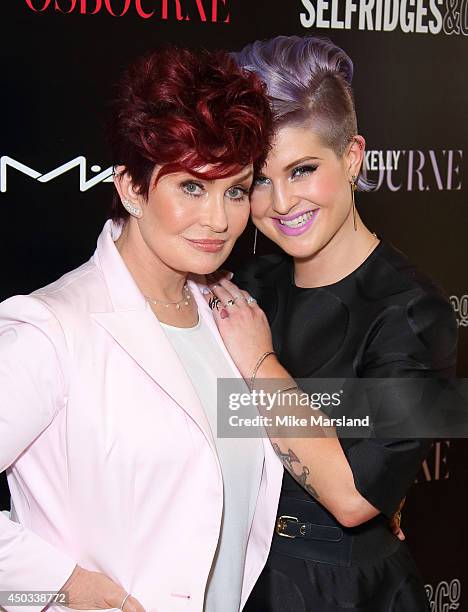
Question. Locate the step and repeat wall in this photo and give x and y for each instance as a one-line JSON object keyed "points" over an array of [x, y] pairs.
{"points": [[61, 58]]}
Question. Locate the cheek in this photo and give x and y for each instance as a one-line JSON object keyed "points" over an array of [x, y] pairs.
{"points": [[238, 216], [330, 192], [168, 212], [325, 189], [259, 203]]}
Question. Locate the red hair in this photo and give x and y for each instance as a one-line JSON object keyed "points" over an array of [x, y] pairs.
{"points": [[183, 110]]}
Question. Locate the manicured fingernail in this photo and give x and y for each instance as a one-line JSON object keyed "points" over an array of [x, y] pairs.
{"points": [[227, 273], [224, 313]]}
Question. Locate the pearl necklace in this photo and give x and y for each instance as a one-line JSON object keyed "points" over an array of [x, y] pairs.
{"points": [[185, 301]]}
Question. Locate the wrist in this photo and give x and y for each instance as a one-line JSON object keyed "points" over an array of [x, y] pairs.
{"points": [[259, 363], [271, 376]]}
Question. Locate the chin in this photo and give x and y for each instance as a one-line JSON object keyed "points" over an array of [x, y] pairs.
{"points": [[294, 247], [299, 251], [210, 265]]}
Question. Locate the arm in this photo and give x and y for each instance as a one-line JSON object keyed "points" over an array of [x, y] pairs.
{"points": [[317, 462], [354, 480], [32, 391]]}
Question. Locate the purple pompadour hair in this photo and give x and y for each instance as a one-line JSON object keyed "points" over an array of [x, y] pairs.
{"points": [[309, 83]]}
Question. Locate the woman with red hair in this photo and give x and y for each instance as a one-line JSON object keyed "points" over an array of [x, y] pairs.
{"points": [[122, 495]]}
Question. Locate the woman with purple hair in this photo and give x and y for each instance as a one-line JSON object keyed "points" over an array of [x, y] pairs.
{"points": [[339, 302]]}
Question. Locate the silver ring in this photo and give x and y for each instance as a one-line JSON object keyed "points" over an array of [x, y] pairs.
{"points": [[250, 300], [231, 302], [124, 600]]}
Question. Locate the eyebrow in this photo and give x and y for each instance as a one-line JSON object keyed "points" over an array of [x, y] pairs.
{"points": [[300, 161], [244, 177]]}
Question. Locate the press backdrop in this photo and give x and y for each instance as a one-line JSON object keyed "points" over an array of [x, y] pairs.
{"points": [[60, 60]]}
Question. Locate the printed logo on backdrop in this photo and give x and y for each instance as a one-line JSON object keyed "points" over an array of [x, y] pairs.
{"points": [[460, 306], [84, 181], [215, 11], [444, 596], [394, 170], [408, 16], [414, 170], [436, 465]]}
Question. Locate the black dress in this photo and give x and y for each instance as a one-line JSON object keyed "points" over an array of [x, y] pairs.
{"points": [[385, 319]]}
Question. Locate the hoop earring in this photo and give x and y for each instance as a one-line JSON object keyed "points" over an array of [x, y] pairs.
{"points": [[353, 189], [135, 211], [255, 240]]}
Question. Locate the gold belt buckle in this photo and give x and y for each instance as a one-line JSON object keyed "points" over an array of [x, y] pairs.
{"points": [[282, 523]]}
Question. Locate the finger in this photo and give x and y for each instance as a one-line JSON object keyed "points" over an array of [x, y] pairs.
{"points": [[227, 284], [227, 302], [207, 294], [212, 300], [241, 298], [396, 528], [216, 305], [249, 301], [400, 535], [132, 605], [221, 293]]}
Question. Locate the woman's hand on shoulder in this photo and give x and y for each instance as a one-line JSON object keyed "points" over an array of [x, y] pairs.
{"points": [[87, 590], [241, 322]]}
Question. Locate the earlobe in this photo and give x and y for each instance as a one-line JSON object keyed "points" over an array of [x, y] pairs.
{"points": [[128, 197], [135, 211]]}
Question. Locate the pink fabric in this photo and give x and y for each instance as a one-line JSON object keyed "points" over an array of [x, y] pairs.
{"points": [[109, 455]]}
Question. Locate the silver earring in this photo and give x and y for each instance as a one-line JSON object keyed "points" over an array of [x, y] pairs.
{"points": [[255, 241], [135, 211]]}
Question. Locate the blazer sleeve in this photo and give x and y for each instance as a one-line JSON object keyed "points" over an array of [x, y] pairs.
{"points": [[33, 365], [413, 340]]}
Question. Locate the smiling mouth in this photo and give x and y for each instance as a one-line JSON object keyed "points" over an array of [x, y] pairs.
{"points": [[297, 220]]}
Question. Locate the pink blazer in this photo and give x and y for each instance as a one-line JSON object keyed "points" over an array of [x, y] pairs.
{"points": [[109, 455]]}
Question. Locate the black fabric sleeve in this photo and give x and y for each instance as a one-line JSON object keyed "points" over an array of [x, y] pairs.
{"points": [[414, 339]]}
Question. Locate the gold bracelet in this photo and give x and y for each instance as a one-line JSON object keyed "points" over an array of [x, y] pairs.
{"points": [[259, 363], [288, 389]]}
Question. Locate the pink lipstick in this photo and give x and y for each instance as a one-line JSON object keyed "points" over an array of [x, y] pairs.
{"points": [[295, 225]]}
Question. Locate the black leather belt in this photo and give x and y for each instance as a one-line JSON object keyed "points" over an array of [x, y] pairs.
{"points": [[306, 530], [291, 527]]}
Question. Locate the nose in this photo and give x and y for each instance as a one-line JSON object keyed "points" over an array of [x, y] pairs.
{"points": [[215, 216], [282, 200]]}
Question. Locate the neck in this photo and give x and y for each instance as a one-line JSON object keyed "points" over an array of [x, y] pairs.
{"points": [[345, 252], [154, 278]]}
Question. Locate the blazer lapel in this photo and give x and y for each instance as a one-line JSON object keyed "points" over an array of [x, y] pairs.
{"points": [[136, 329], [273, 466]]}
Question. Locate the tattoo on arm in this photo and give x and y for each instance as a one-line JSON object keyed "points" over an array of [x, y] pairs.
{"points": [[288, 459]]}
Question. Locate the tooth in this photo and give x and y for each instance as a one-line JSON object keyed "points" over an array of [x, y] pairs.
{"points": [[298, 221]]}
